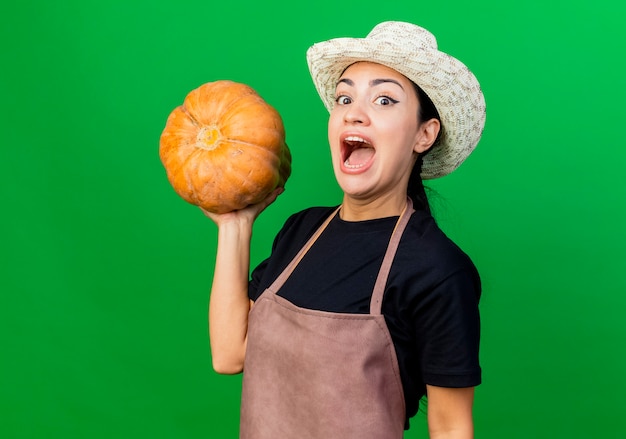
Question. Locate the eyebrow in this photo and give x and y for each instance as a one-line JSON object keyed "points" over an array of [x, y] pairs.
{"points": [[373, 82]]}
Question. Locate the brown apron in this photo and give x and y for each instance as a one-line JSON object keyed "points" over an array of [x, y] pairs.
{"points": [[312, 374]]}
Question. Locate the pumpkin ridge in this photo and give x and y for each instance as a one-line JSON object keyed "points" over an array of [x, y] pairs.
{"points": [[192, 118], [236, 105], [187, 168], [203, 127], [254, 145]]}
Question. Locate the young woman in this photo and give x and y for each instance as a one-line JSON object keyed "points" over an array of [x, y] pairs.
{"points": [[361, 309]]}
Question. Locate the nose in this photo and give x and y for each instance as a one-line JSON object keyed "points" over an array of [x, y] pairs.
{"points": [[356, 114]]}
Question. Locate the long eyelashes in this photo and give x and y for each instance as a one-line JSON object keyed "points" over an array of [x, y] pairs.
{"points": [[343, 100], [386, 100], [383, 100]]}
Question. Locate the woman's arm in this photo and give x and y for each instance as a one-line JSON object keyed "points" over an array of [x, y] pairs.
{"points": [[229, 304], [450, 412]]}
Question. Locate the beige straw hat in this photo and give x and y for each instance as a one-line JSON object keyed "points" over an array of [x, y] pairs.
{"points": [[412, 51]]}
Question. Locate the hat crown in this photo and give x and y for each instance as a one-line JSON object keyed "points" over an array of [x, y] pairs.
{"points": [[403, 34]]}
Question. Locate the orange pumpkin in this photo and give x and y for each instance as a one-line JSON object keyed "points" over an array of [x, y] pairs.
{"points": [[224, 147]]}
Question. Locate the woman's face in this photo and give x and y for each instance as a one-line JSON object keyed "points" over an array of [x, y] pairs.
{"points": [[374, 132]]}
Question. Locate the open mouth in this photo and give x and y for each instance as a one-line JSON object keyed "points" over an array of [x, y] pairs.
{"points": [[356, 152]]}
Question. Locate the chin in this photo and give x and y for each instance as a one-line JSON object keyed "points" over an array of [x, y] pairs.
{"points": [[353, 189]]}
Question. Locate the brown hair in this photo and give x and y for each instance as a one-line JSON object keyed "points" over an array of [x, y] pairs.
{"points": [[416, 190]]}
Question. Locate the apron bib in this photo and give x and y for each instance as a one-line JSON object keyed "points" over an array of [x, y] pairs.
{"points": [[312, 374]]}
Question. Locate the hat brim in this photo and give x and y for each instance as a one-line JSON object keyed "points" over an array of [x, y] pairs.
{"points": [[453, 89]]}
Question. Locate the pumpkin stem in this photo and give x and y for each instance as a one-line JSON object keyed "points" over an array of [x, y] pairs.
{"points": [[208, 137]]}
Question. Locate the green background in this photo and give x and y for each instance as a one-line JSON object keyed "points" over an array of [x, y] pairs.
{"points": [[105, 272]]}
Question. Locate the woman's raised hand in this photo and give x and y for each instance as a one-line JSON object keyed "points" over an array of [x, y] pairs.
{"points": [[247, 214]]}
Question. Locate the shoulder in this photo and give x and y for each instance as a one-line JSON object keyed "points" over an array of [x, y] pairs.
{"points": [[310, 217], [306, 221], [424, 236], [295, 232], [427, 253], [301, 225]]}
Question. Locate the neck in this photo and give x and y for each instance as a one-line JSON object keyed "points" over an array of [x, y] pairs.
{"points": [[354, 209]]}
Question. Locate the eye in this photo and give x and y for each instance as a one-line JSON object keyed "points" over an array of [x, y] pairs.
{"points": [[385, 100], [343, 100]]}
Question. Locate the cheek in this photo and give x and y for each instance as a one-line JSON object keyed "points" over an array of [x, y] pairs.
{"points": [[333, 119], [333, 131], [410, 131]]}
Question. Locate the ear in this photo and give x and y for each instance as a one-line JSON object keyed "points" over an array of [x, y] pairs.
{"points": [[427, 133]]}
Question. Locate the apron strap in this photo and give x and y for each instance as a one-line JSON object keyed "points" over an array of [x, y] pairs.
{"points": [[282, 278], [383, 274]]}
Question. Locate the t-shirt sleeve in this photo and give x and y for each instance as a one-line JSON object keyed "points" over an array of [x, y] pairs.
{"points": [[256, 277], [448, 330], [253, 284]]}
